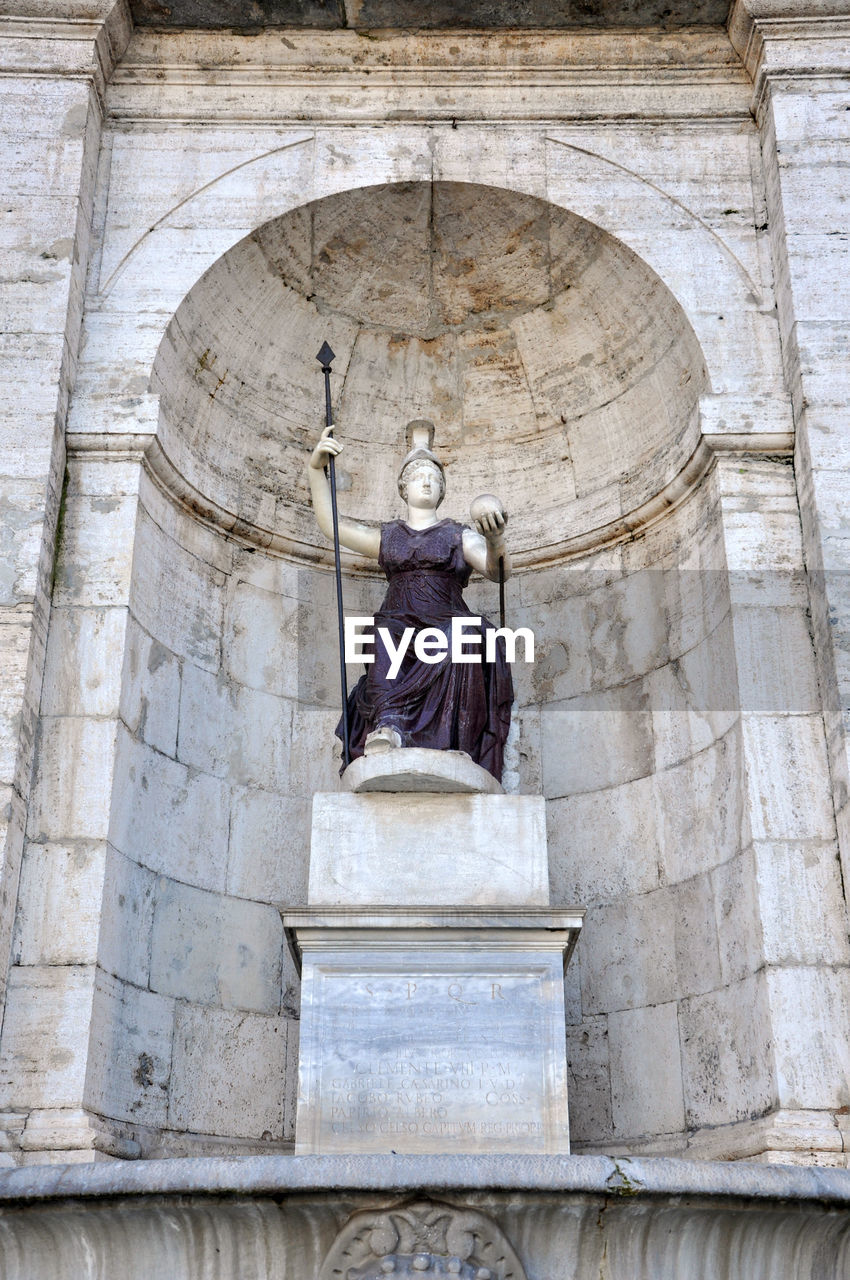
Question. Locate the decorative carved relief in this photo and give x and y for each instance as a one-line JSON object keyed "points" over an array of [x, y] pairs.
{"points": [[425, 1240]]}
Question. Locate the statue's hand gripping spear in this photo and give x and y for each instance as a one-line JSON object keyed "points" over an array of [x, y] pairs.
{"points": [[325, 358]]}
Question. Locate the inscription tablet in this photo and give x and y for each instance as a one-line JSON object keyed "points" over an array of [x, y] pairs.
{"points": [[433, 1057]]}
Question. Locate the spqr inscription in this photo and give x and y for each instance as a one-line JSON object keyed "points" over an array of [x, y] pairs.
{"points": [[427, 1056]]}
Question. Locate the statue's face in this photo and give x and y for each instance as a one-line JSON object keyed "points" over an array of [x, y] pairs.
{"points": [[424, 486]]}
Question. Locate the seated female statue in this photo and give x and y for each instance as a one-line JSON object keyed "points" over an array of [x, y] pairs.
{"points": [[444, 705]]}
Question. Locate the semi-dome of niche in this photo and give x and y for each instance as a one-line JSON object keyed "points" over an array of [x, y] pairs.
{"points": [[559, 370]]}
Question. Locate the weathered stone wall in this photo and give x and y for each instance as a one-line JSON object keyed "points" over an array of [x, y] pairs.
{"points": [[687, 687], [600, 292]]}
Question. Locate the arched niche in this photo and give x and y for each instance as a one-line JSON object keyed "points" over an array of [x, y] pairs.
{"points": [[554, 362], [561, 372]]}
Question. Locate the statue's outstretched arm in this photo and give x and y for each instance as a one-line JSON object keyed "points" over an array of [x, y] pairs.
{"points": [[352, 534], [484, 546]]}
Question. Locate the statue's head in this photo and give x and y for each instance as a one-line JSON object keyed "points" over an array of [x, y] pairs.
{"points": [[421, 461], [422, 469]]}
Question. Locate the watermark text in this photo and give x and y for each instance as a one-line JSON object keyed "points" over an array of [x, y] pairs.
{"points": [[431, 645]]}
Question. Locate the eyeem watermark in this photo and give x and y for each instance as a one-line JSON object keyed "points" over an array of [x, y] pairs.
{"points": [[431, 645]]}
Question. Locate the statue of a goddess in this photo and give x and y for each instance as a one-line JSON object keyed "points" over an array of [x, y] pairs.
{"points": [[446, 705]]}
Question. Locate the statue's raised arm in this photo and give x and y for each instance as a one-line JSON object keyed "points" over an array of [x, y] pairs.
{"points": [[455, 695], [352, 534]]}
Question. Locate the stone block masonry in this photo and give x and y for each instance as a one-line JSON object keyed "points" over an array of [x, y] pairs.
{"points": [[608, 264]]}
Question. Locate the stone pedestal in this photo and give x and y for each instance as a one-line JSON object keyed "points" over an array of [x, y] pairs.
{"points": [[428, 849], [432, 999], [432, 1030]]}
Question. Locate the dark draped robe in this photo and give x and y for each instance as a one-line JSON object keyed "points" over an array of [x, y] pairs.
{"points": [[445, 705]]}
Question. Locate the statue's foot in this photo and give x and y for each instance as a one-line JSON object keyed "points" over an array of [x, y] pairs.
{"points": [[382, 739]]}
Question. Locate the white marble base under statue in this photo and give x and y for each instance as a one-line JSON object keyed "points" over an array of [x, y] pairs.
{"points": [[432, 1030], [419, 769], [428, 849], [432, 996]]}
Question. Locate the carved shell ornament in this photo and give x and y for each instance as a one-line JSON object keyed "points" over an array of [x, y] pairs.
{"points": [[424, 1240]]}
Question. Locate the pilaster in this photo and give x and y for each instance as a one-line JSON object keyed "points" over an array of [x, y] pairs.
{"points": [[55, 62], [794, 958], [798, 55], [57, 993]]}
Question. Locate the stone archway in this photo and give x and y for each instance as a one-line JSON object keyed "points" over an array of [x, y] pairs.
{"points": [[227, 697], [551, 358], [556, 363]]}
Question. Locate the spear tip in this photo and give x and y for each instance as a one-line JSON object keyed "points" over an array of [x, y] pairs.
{"points": [[325, 355]]}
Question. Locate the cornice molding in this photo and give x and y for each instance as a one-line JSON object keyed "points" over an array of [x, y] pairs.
{"points": [[146, 449], [73, 41], [341, 77], [514, 50], [790, 40]]}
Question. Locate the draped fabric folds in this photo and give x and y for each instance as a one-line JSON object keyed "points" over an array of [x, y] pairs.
{"points": [[445, 705]]}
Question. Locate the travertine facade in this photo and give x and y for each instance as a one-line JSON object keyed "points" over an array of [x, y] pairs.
{"points": [[612, 266]]}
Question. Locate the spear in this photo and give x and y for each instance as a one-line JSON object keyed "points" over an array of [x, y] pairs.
{"points": [[325, 358]]}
